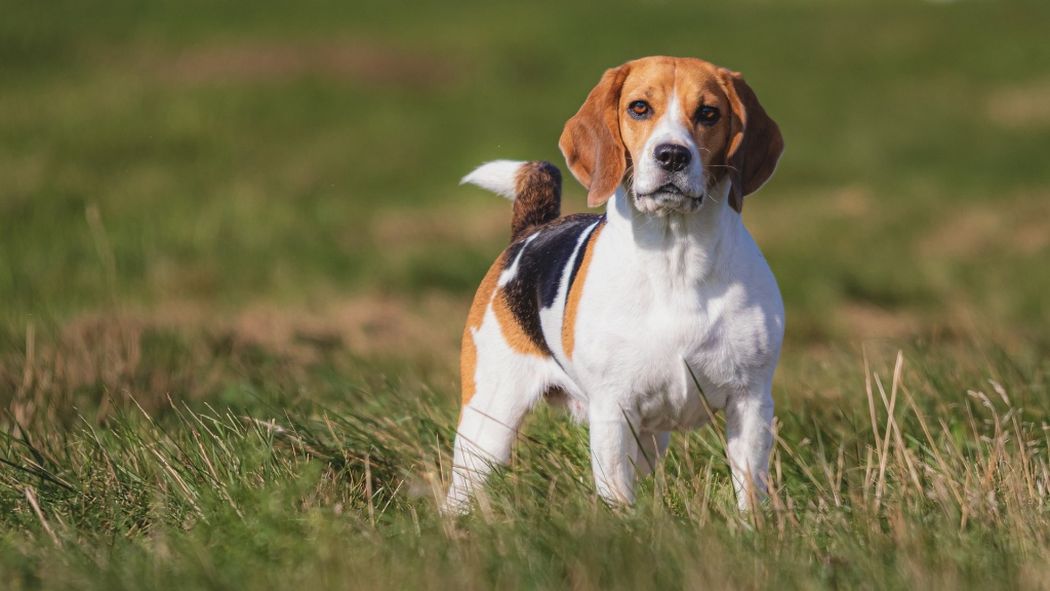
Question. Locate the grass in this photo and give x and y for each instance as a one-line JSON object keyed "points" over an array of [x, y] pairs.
{"points": [[234, 264], [328, 487]]}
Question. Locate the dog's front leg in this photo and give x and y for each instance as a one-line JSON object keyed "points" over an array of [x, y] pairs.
{"points": [[749, 418], [614, 447]]}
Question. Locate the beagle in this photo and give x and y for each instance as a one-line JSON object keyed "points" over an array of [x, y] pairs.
{"points": [[644, 319]]}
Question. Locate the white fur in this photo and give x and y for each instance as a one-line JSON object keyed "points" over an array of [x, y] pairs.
{"points": [[664, 294], [497, 176], [508, 274], [649, 177]]}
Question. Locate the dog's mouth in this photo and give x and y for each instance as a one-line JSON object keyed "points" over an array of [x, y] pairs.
{"points": [[668, 198], [670, 190]]}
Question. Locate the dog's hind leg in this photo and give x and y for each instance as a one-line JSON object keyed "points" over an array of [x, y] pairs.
{"points": [[508, 385], [484, 438]]}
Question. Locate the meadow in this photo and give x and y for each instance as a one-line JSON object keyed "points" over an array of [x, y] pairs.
{"points": [[235, 263]]}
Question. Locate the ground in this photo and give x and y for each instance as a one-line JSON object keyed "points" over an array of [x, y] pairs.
{"points": [[235, 264]]}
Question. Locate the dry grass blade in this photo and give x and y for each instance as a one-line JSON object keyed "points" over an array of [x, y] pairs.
{"points": [[889, 406], [946, 472], [31, 497]]}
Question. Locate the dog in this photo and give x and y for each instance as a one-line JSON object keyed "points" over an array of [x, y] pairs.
{"points": [[645, 319]]}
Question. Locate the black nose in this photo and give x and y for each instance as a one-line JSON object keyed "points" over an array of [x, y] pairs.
{"points": [[672, 157]]}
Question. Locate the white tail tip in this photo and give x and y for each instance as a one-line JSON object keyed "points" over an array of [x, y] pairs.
{"points": [[498, 176]]}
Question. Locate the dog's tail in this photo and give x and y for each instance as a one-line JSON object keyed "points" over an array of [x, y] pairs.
{"points": [[534, 187]]}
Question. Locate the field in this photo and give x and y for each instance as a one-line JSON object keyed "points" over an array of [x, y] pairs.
{"points": [[235, 263]]}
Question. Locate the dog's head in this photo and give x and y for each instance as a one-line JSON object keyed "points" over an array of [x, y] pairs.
{"points": [[674, 128]]}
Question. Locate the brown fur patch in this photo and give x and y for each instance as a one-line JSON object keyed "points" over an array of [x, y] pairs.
{"points": [[468, 358], [512, 330], [468, 364], [572, 302], [591, 140], [469, 353], [537, 197]]}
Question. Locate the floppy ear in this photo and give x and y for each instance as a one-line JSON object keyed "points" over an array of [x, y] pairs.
{"points": [[755, 143], [591, 140]]}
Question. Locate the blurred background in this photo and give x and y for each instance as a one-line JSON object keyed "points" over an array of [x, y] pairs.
{"points": [[190, 190]]}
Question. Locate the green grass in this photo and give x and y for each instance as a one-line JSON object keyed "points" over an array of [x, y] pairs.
{"points": [[334, 484], [234, 264]]}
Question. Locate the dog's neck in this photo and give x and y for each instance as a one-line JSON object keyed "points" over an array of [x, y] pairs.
{"points": [[677, 248]]}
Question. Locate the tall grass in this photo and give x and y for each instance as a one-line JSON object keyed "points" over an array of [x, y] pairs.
{"points": [[886, 489]]}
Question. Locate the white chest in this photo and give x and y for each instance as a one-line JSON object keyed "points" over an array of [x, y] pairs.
{"points": [[655, 325]]}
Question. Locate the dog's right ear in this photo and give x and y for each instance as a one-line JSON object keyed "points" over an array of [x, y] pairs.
{"points": [[591, 141]]}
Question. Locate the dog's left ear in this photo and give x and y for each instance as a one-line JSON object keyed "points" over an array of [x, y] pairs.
{"points": [[755, 143], [591, 140]]}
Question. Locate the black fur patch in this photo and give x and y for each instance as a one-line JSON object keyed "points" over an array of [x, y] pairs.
{"points": [[540, 269]]}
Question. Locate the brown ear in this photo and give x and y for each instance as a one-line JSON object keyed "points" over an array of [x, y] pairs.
{"points": [[591, 140], [755, 143]]}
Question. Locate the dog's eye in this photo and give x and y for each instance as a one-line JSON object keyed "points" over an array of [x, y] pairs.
{"points": [[707, 115], [639, 109]]}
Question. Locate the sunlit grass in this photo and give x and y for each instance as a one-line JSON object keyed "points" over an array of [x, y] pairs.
{"points": [[339, 487], [234, 265]]}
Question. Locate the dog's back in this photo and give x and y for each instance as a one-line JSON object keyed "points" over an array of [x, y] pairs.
{"points": [[530, 283]]}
